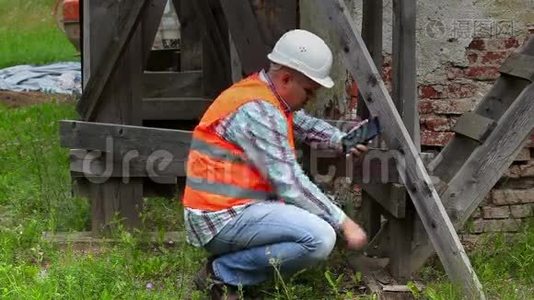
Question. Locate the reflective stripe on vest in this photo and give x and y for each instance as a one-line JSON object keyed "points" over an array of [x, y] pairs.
{"points": [[215, 152], [226, 189], [219, 174]]}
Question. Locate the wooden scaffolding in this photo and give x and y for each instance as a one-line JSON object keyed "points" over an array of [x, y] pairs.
{"points": [[139, 107]]}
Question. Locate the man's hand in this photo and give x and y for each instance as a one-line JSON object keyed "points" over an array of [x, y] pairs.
{"points": [[354, 235], [359, 151]]}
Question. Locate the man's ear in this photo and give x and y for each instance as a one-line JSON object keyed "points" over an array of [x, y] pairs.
{"points": [[285, 78]]}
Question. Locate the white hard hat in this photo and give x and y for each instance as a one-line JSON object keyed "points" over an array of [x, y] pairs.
{"points": [[305, 52]]}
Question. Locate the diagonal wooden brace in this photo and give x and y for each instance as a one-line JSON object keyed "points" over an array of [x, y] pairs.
{"points": [[99, 78], [410, 166]]}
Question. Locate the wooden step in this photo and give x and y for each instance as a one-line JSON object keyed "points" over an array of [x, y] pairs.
{"points": [[179, 108]]}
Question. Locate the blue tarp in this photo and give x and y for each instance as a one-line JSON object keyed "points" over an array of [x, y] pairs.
{"points": [[60, 78]]}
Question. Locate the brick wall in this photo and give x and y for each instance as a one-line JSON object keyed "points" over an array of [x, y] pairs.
{"points": [[511, 201], [442, 101]]}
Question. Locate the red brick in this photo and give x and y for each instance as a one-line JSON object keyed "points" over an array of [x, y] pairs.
{"points": [[454, 73], [435, 123], [482, 72], [472, 56], [500, 212], [506, 197], [511, 42], [431, 91], [512, 172], [523, 155], [461, 90], [432, 138], [425, 106], [522, 211], [477, 44], [495, 58], [527, 170]]}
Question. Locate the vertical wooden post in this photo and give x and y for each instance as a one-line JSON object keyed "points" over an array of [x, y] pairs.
{"points": [[190, 41], [121, 100], [405, 98], [372, 35]]}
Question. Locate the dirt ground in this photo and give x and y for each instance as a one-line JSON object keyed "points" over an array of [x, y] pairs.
{"points": [[18, 99]]}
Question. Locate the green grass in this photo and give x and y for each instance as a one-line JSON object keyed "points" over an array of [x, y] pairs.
{"points": [[35, 196], [28, 34], [504, 265]]}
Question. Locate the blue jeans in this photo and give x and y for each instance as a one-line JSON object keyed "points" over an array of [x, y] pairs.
{"points": [[267, 234]]}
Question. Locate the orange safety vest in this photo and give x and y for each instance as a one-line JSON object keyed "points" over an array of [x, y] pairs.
{"points": [[219, 175]]}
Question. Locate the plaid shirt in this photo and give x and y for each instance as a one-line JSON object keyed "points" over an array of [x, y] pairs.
{"points": [[260, 130]]}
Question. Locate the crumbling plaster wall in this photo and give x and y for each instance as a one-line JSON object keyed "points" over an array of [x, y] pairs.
{"points": [[444, 31]]}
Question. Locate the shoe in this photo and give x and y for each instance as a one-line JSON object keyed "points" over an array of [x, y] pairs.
{"points": [[205, 280]]}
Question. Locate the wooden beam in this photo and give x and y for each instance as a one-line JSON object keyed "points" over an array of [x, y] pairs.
{"points": [[275, 17], [121, 139], [152, 16], [505, 90], [99, 77], [405, 98], [243, 26], [410, 166], [377, 167], [474, 126], [172, 84], [392, 197], [519, 65], [216, 50], [190, 41], [99, 166], [485, 166], [372, 35], [174, 108]]}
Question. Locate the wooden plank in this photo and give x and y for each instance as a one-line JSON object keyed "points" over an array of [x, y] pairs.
{"points": [[372, 20], [244, 28], [485, 166], [372, 35], [152, 15], [405, 98], [326, 165], [100, 75], [275, 17], [392, 197], [410, 166], [216, 50], [474, 126], [123, 138], [493, 105], [172, 84], [97, 167], [519, 65], [174, 108], [404, 66], [190, 41]]}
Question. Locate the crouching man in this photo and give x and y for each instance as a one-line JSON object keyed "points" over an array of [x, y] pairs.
{"points": [[247, 201]]}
